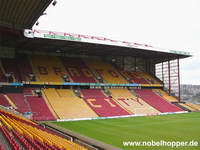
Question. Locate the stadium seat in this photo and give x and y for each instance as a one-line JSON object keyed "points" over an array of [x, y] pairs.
{"points": [[134, 77], [42, 112], [194, 106], [78, 70], [25, 68], [25, 134], [48, 72], [67, 105], [2, 74], [132, 103], [105, 70], [165, 95], [4, 101], [27, 91], [151, 79], [156, 101], [10, 66], [19, 100], [101, 104], [188, 106]]}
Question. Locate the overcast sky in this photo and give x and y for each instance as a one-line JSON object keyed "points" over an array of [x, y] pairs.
{"points": [[170, 24]]}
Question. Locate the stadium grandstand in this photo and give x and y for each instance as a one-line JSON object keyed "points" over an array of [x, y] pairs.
{"points": [[55, 76]]}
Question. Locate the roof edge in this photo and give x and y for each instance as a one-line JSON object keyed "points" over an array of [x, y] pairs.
{"points": [[96, 40]]}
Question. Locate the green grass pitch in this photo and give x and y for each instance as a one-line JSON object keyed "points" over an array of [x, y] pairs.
{"points": [[174, 127]]}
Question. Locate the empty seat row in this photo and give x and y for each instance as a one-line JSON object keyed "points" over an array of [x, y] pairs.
{"points": [[30, 135]]}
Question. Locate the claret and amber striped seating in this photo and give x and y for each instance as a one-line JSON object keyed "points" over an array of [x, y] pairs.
{"points": [[21, 133]]}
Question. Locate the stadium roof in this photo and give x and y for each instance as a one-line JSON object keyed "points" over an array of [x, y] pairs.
{"points": [[74, 44], [92, 45], [21, 14], [16, 15]]}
